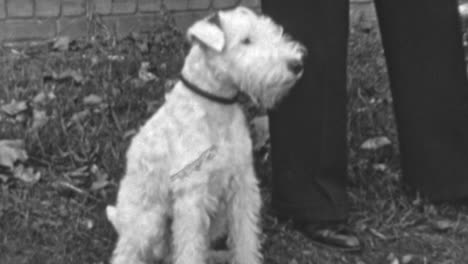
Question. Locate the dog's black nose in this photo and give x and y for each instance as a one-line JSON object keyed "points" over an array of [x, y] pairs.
{"points": [[296, 66]]}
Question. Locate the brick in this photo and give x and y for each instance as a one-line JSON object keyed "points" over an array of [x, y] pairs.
{"points": [[102, 7], [149, 5], [177, 4], [30, 29], [2, 9], [250, 3], [219, 4], [124, 25], [184, 20], [73, 27], [47, 8], [110, 23], [20, 8], [73, 7], [199, 4], [123, 6], [200, 14]]}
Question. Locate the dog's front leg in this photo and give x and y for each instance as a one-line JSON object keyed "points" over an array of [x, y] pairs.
{"points": [[244, 220], [190, 227]]}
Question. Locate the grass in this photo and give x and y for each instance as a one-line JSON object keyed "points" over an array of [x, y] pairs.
{"points": [[80, 148]]}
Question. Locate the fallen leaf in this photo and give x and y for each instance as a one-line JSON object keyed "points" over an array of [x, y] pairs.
{"points": [[79, 172], [62, 43], [406, 259], [92, 99], [395, 176], [39, 98], [129, 133], [94, 60], [26, 174], [17, 52], [116, 57], [97, 185], [101, 178], [376, 143], [380, 167], [443, 225], [21, 117], [3, 177], [78, 117], [51, 95], [12, 151], [89, 223], [143, 46], [144, 74], [392, 258], [417, 201], [64, 185], [74, 75], [14, 107], [39, 119], [377, 234]]}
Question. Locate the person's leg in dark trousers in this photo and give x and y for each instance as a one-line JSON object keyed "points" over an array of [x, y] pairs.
{"points": [[423, 46], [308, 128]]}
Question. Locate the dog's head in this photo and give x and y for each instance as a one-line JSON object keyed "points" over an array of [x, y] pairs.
{"points": [[250, 51]]}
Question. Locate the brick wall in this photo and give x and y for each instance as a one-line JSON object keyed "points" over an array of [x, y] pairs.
{"points": [[45, 19]]}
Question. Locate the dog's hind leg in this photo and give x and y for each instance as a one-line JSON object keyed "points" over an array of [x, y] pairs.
{"points": [[143, 238]]}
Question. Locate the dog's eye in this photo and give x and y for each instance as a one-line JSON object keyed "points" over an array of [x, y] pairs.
{"points": [[246, 41]]}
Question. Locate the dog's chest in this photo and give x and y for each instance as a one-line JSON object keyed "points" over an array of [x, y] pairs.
{"points": [[208, 146], [232, 143], [232, 154]]}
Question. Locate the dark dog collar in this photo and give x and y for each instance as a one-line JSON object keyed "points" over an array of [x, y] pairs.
{"points": [[213, 97]]}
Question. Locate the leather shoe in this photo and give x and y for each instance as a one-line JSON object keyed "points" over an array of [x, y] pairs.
{"points": [[332, 236]]}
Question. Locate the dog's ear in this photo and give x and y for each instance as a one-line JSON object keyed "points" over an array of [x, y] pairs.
{"points": [[208, 32]]}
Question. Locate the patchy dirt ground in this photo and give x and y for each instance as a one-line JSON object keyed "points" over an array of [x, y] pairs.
{"points": [[73, 106]]}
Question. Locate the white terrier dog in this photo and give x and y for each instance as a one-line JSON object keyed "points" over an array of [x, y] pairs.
{"points": [[190, 176]]}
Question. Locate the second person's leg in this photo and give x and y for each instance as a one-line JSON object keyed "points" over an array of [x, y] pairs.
{"points": [[423, 47]]}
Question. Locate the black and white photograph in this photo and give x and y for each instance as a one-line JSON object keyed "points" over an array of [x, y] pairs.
{"points": [[233, 132]]}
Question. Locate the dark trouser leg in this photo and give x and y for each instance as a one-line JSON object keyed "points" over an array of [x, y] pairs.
{"points": [[424, 52], [308, 129]]}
